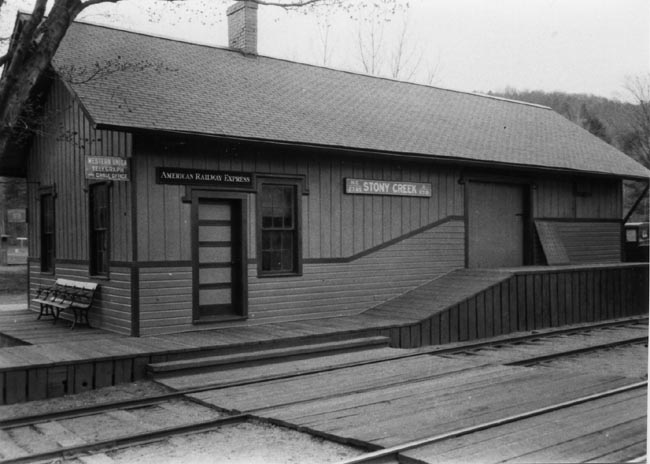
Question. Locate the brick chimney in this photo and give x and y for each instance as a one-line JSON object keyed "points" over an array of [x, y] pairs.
{"points": [[242, 27]]}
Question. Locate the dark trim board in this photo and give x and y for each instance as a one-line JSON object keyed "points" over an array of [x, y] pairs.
{"points": [[238, 206], [552, 219], [135, 272], [377, 248], [135, 302]]}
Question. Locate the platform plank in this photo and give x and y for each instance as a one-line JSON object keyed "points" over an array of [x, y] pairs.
{"points": [[513, 440]]}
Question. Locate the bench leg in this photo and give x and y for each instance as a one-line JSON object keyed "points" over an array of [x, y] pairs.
{"points": [[81, 317], [44, 312], [76, 318], [55, 313]]}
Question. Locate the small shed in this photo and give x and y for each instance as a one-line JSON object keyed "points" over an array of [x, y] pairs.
{"points": [[204, 186]]}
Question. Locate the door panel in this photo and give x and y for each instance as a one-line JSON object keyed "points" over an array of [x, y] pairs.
{"points": [[215, 254], [496, 215], [212, 275], [218, 266]]}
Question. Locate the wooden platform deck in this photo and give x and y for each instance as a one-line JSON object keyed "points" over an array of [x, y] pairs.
{"points": [[463, 305], [398, 401], [22, 325]]}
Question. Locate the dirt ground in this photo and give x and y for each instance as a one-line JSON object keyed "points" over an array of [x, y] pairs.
{"points": [[90, 398], [13, 279], [13, 287], [232, 444]]}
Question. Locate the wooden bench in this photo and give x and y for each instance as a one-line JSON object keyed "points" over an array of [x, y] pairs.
{"points": [[66, 295]]}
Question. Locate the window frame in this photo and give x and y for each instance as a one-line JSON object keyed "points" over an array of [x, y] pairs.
{"points": [[298, 190], [45, 192], [99, 269]]}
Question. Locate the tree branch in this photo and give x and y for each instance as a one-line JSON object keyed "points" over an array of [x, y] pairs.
{"points": [[89, 3]]}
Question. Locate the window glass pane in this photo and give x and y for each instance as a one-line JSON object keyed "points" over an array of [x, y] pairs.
{"points": [[278, 228], [266, 261], [630, 235], [47, 232], [287, 260], [99, 223]]}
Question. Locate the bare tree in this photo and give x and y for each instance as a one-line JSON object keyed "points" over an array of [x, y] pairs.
{"points": [[638, 140], [370, 43], [324, 37], [37, 37], [401, 58]]}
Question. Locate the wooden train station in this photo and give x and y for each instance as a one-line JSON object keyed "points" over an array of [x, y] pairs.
{"points": [[219, 198]]}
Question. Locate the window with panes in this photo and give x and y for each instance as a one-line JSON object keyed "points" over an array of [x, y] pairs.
{"points": [[99, 229], [47, 232], [279, 229]]}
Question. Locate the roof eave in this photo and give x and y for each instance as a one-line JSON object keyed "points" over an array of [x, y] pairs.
{"points": [[465, 162]]}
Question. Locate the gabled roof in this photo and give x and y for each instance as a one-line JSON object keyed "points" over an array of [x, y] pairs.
{"points": [[175, 86]]}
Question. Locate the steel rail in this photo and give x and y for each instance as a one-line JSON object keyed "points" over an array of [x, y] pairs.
{"points": [[386, 452], [433, 350], [563, 354], [130, 440]]}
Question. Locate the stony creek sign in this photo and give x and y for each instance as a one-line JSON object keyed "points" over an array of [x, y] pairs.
{"points": [[386, 187], [107, 168], [184, 176]]}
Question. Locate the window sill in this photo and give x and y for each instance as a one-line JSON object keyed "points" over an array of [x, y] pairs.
{"points": [[217, 319], [268, 275]]}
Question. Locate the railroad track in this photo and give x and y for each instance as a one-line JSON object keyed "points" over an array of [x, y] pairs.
{"points": [[393, 452], [138, 407], [456, 349]]}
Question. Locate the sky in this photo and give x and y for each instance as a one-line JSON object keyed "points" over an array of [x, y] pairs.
{"points": [[575, 46]]}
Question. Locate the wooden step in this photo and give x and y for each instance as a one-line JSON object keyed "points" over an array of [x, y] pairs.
{"points": [[354, 344]]}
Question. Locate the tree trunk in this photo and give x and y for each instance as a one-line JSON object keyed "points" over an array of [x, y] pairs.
{"points": [[31, 54]]}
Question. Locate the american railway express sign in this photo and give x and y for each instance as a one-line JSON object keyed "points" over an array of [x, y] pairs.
{"points": [[182, 176], [385, 187]]}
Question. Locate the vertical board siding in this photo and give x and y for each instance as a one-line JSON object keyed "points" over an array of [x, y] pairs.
{"points": [[540, 299], [556, 198], [111, 309], [335, 224], [57, 158]]}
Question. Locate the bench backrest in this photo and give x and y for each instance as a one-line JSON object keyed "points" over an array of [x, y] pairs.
{"points": [[92, 286], [81, 293]]}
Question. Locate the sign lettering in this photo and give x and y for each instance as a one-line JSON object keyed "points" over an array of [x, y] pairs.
{"points": [[384, 187], [107, 168], [182, 176], [17, 215]]}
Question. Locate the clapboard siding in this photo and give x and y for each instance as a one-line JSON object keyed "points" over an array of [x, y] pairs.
{"points": [[111, 308], [324, 289], [590, 242], [363, 283], [165, 299], [334, 224], [57, 159], [557, 198]]}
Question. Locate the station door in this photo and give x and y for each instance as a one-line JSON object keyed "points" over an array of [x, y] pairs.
{"points": [[495, 221], [218, 267]]}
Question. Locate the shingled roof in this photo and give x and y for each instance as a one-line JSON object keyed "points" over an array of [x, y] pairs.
{"points": [[175, 86]]}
